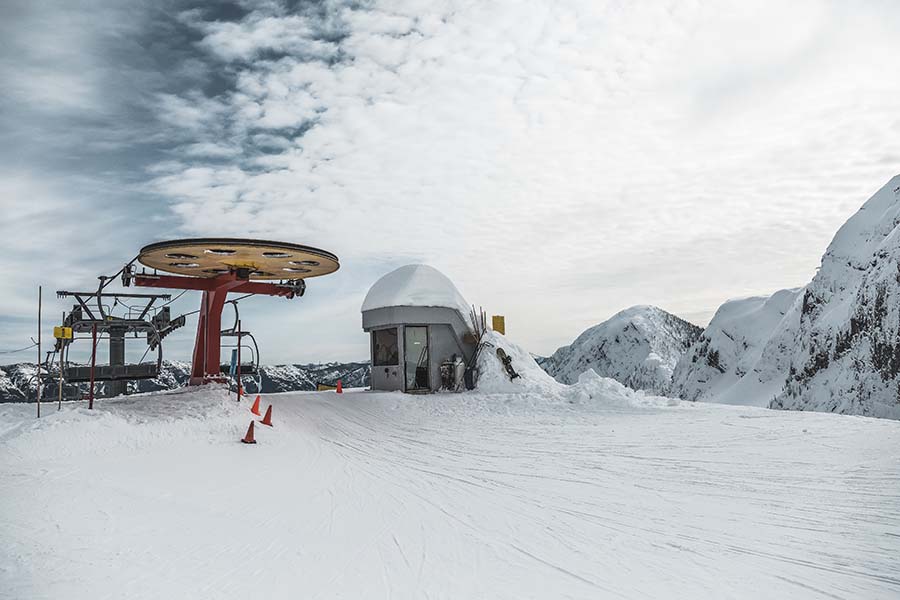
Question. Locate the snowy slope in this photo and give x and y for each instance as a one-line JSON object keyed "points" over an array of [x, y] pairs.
{"points": [[638, 347], [730, 349], [848, 342], [476, 495]]}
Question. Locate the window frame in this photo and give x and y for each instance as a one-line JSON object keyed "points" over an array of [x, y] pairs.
{"points": [[396, 353]]}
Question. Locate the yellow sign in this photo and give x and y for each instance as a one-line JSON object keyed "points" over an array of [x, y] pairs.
{"points": [[498, 324], [62, 333]]}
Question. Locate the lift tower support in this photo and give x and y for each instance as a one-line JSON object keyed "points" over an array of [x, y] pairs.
{"points": [[222, 265]]}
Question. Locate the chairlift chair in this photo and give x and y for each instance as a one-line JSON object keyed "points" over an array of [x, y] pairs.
{"points": [[250, 367]]}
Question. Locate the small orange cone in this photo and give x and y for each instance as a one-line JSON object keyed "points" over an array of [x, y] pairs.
{"points": [[340, 388], [248, 439], [267, 420], [255, 408]]}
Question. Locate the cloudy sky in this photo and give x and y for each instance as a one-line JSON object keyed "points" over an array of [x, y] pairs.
{"points": [[559, 159]]}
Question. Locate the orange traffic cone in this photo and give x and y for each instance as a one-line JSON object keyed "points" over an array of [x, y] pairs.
{"points": [[255, 408], [248, 439], [267, 420], [340, 388]]}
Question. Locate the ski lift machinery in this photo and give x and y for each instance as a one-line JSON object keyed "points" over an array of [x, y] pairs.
{"points": [[93, 314], [215, 266]]}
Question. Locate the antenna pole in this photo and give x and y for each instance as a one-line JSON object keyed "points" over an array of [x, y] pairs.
{"points": [[39, 356], [93, 364], [62, 351], [239, 360]]}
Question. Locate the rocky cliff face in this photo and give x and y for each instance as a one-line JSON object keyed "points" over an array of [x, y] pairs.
{"points": [[832, 346], [639, 347], [847, 356]]}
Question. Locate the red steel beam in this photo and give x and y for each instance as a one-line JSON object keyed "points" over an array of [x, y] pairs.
{"points": [[207, 285], [207, 346]]}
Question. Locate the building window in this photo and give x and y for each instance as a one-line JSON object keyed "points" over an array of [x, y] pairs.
{"points": [[386, 352]]}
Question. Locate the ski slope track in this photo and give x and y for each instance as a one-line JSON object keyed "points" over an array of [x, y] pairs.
{"points": [[474, 495]]}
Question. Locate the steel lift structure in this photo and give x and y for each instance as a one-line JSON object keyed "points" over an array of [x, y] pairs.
{"points": [[219, 266], [92, 315], [214, 266]]}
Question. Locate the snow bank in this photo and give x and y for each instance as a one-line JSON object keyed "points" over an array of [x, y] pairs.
{"points": [[416, 285], [638, 346], [492, 376], [138, 421], [533, 381]]}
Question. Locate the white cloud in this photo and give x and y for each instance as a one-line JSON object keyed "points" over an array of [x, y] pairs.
{"points": [[257, 35], [565, 159], [559, 160]]}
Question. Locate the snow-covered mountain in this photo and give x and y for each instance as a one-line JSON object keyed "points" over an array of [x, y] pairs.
{"points": [[832, 346], [848, 336], [730, 349], [17, 382], [639, 347]]}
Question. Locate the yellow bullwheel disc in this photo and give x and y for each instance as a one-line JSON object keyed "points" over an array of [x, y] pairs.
{"points": [[265, 260]]}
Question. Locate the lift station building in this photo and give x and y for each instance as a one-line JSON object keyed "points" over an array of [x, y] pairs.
{"points": [[417, 321]]}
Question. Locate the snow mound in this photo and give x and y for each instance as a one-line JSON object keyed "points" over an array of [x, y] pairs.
{"points": [[492, 376], [416, 285], [533, 381], [139, 422]]}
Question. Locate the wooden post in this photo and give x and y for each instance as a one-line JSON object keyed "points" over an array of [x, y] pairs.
{"points": [[93, 363], [62, 353], [39, 356]]}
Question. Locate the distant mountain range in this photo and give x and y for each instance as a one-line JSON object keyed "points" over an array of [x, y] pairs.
{"points": [[831, 346], [17, 381]]}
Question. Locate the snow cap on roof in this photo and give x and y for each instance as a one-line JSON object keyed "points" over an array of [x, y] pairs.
{"points": [[416, 285]]}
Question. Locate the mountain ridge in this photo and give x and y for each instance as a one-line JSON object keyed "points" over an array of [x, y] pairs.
{"points": [[17, 380], [638, 347]]}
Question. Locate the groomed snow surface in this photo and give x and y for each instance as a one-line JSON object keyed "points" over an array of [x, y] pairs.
{"points": [[525, 489]]}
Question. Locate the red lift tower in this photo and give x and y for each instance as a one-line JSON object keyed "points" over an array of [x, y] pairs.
{"points": [[217, 266]]}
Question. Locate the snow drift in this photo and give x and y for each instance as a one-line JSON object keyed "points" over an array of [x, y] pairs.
{"points": [[535, 382]]}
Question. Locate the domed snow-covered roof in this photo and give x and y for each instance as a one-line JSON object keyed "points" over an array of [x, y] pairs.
{"points": [[416, 285]]}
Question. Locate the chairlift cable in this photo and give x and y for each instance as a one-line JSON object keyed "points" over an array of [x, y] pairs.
{"points": [[18, 350]]}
